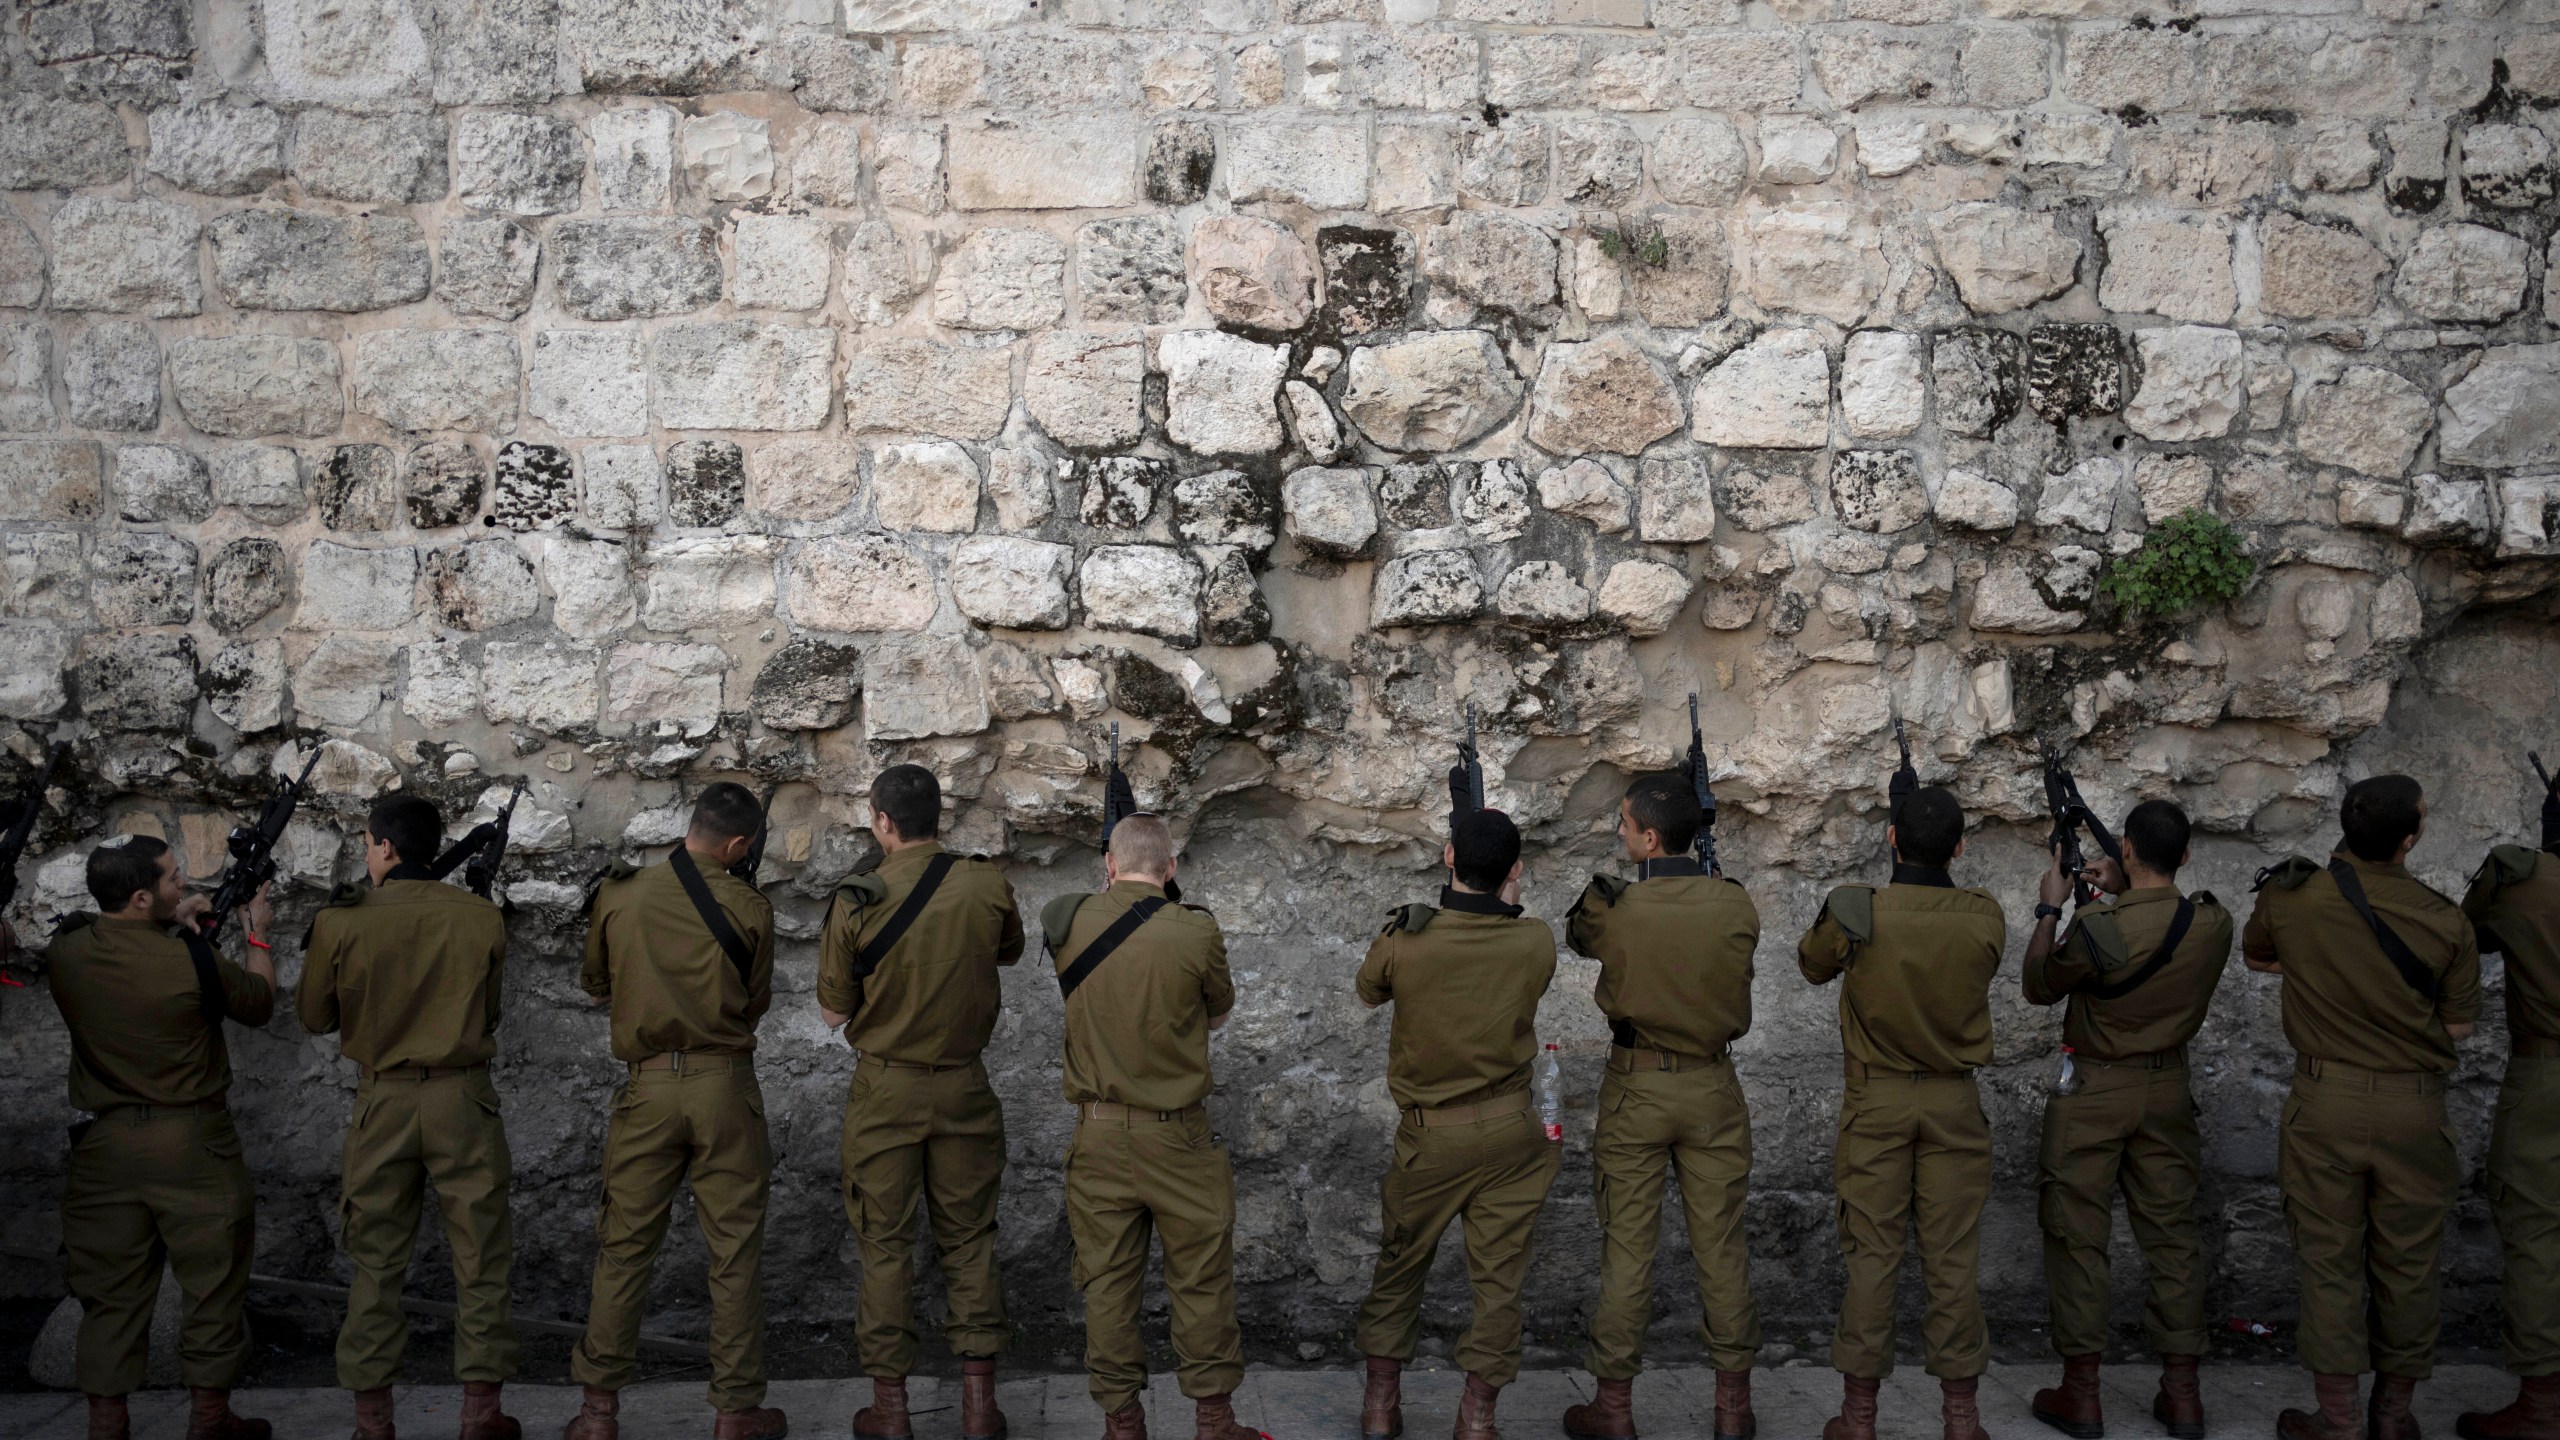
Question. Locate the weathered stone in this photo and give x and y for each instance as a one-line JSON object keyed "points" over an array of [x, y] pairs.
{"points": [[906, 168], [22, 266], [623, 487], [51, 144], [1774, 393], [2084, 496], [2265, 490], [832, 72], [244, 685], [635, 156], [494, 52], [437, 379], [1416, 497], [881, 273], [1089, 164], [136, 682], [443, 481], [2074, 370], [346, 588], [1222, 507], [859, 583], [359, 490], [1542, 592], [807, 685], [2505, 414], [1011, 584], [932, 486], [26, 377], [1416, 168], [2315, 272], [2172, 484], [1815, 258], [216, 149], [2022, 598], [803, 479], [537, 487], [1129, 271], [2463, 273], [1796, 150], [2508, 166], [1002, 279], [1766, 500], [1232, 608], [295, 260], [1116, 492], [1881, 394], [1606, 395], [1598, 162], [1697, 160], [1974, 501], [246, 385], [1252, 272], [662, 47], [1151, 589], [1675, 500], [1431, 587], [337, 54], [707, 582], [396, 159], [1018, 481], [738, 375], [546, 686], [922, 387], [2448, 512], [590, 584], [1878, 490], [43, 575], [112, 374], [136, 257], [141, 577], [487, 267], [1505, 164], [1086, 390], [1491, 500], [2167, 263], [923, 685], [508, 163], [589, 382], [1432, 390], [480, 586], [1181, 156], [2192, 383], [2368, 420], [1586, 490], [664, 689], [2528, 515], [2003, 259], [1322, 165], [1643, 597], [1494, 260], [1221, 392], [706, 482], [1330, 513], [627, 268], [726, 157], [782, 262], [50, 480], [161, 483], [265, 481], [1979, 380]]}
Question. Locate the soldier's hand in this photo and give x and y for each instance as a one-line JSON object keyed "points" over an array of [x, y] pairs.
{"points": [[262, 916], [2108, 875], [1510, 894], [2053, 887], [191, 908]]}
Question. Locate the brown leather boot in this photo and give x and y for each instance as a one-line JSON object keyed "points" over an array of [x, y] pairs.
{"points": [[2072, 1406], [2180, 1404], [2338, 1418], [757, 1422], [481, 1417], [1857, 1417], [1382, 1400], [2388, 1418], [2533, 1415], [374, 1415], [1611, 1415], [979, 1417], [1734, 1420], [109, 1418], [210, 1417], [1958, 1408], [1129, 1422], [885, 1418], [1475, 1411], [599, 1416], [1213, 1417]]}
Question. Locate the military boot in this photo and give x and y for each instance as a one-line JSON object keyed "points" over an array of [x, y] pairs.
{"points": [[2533, 1415], [1611, 1415], [1213, 1417], [756, 1422], [2072, 1406], [1734, 1420], [885, 1418], [374, 1415], [1857, 1417], [599, 1416], [2180, 1404], [979, 1417], [210, 1417], [1959, 1410], [2336, 1419], [1475, 1411], [1129, 1422], [2388, 1417], [481, 1417], [1382, 1400], [109, 1418]]}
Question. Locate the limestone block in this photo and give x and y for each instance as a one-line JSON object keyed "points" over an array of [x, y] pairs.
{"points": [[2508, 166], [663, 47], [443, 482], [157, 483], [738, 375], [708, 583], [1222, 507], [2265, 490], [1980, 380], [244, 685], [1888, 146], [2022, 597], [623, 489], [635, 150], [1150, 589], [111, 372], [2084, 496], [1221, 392], [31, 689], [1083, 164], [142, 577], [1429, 587], [136, 257], [1697, 160], [1971, 500], [1330, 512], [1766, 500], [50, 480], [1115, 492], [1252, 272], [804, 479], [507, 163], [1598, 162], [1011, 584], [922, 685], [2505, 414], [2528, 515], [44, 577], [2397, 616], [2448, 512], [1796, 150], [2004, 259], [2192, 383], [396, 159], [626, 268], [1586, 490], [2368, 420], [1181, 156], [859, 583], [487, 267], [537, 487], [922, 387], [1431, 390], [2336, 158], [590, 584], [706, 483], [1689, 287], [1311, 422], [1643, 596], [1086, 389], [2074, 370], [1881, 394], [1323, 165], [807, 685], [265, 481], [247, 385], [782, 262], [2315, 272], [1815, 258], [833, 72], [2167, 263], [1002, 279], [1416, 168], [546, 686], [930, 486], [727, 157], [1605, 395], [1504, 165], [26, 377], [1129, 271], [1018, 482], [216, 149], [589, 382], [340, 54], [1491, 500], [1542, 592], [906, 168], [1752, 70], [664, 689], [1675, 500], [2463, 273], [348, 588], [1878, 490], [22, 267], [136, 682], [1495, 260], [2171, 484], [2372, 504], [48, 143], [1774, 393], [359, 489], [437, 379], [269, 259], [343, 681], [1233, 610]]}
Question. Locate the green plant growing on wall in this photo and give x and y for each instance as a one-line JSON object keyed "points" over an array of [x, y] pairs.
{"points": [[2190, 561], [1645, 246]]}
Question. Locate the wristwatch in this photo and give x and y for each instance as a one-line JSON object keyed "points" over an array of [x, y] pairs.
{"points": [[2042, 910]]}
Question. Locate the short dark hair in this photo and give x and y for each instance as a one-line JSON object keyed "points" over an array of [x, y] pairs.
{"points": [[725, 810], [2379, 812], [1662, 801], [1487, 845], [130, 864], [911, 798], [2157, 832], [411, 825], [1930, 827]]}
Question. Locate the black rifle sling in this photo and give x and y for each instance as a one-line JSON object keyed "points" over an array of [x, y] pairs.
{"points": [[210, 1000], [1622, 1033], [2178, 924], [689, 875], [2403, 959], [1106, 942], [868, 958]]}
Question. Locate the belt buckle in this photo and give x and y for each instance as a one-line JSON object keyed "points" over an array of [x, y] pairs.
{"points": [[1662, 1061]]}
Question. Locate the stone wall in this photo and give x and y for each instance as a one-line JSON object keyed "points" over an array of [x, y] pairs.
{"points": [[624, 393]]}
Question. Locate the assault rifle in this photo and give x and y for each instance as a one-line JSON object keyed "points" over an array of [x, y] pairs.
{"points": [[253, 849], [753, 861], [1696, 766], [1466, 778], [1905, 780], [485, 847], [2070, 812], [22, 827]]}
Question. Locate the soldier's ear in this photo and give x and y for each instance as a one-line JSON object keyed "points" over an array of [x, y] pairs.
{"points": [[1449, 855]]}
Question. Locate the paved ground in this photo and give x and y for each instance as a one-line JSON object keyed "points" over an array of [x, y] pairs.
{"points": [[2241, 1401]]}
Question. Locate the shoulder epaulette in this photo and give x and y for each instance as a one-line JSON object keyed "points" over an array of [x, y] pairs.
{"points": [[1853, 908], [1610, 888], [77, 920], [1199, 909], [2290, 873], [1059, 917], [613, 872], [2105, 932], [866, 888], [2205, 897], [2514, 864], [1409, 918], [343, 895]]}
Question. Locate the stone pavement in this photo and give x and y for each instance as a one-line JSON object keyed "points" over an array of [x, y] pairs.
{"points": [[1671, 1404]]}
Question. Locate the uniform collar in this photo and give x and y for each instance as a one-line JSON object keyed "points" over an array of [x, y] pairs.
{"points": [[1135, 889], [1453, 898], [2149, 892], [1905, 873], [912, 857], [408, 870], [2369, 867], [1669, 867]]}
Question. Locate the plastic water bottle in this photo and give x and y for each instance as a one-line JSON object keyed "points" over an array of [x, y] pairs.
{"points": [[2069, 1081], [1550, 1086]]}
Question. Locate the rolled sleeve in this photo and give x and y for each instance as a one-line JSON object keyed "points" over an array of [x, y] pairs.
{"points": [[1824, 951], [315, 999], [1217, 986], [1377, 983]]}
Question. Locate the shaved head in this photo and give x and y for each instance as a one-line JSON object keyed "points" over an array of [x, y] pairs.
{"points": [[1142, 847]]}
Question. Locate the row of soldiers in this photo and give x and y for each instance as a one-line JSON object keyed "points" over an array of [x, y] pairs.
{"points": [[2381, 978]]}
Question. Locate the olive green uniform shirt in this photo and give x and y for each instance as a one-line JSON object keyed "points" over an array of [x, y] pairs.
{"points": [[1138, 1025], [408, 975], [1918, 995], [2521, 920], [1466, 988], [934, 996], [1675, 958], [672, 986], [2164, 1011], [127, 992], [2343, 999]]}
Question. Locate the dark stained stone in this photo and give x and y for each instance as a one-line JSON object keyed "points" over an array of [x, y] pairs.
{"points": [[2075, 370], [1368, 278], [537, 487], [706, 482], [359, 489], [445, 480]]}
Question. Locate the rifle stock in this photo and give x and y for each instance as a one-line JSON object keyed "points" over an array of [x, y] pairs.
{"points": [[1466, 778], [753, 861]]}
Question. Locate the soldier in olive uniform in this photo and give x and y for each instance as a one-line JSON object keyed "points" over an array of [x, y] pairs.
{"points": [[408, 973], [2514, 905], [1144, 981], [908, 970], [157, 1176], [1675, 983], [1465, 979], [1915, 960], [2381, 977], [684, 953], [2137, 975]]}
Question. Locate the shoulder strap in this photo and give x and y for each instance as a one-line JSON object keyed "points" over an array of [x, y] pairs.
{"points": [[1106, 942], [1854, 908], [2169, 943], [2403, 959], [868, 958], [210, 1001], [697, 890]]}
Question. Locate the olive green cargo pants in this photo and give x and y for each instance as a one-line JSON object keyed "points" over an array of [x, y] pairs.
{"points": [[1491, 1171], [412, 1128], [149, 1186], [1130, 1173], [1911, 1151], [704, 1123], [2132, 1128], [1656, 1111], [2524, 1194], [914, 1134], [2366, 1163]]}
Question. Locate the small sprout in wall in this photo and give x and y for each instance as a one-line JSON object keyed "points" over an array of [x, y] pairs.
{"points": [[1642, 244], [2190, 561]]}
